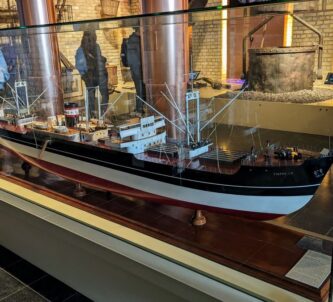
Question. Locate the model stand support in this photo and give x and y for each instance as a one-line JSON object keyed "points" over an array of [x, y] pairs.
{"points": [[79, 191], [199, 219], [26, 167]]}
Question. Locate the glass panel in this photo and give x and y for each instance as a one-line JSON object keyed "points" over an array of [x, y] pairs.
{"points": [[227, 108], [212, 77], [187, 92]]}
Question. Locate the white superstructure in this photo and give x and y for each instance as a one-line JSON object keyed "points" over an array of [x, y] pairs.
{"points": [[138, 137]]}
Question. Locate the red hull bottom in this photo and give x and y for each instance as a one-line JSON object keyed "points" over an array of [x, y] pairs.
{"points": [[106, 185]]}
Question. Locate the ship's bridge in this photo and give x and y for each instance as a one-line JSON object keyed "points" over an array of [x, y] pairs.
{"points": [[147, 127]]}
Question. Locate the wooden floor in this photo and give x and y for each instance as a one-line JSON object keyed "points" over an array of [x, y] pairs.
{"points": [[264, 250]]}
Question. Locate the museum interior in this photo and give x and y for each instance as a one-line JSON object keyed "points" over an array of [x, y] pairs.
{"points": [[166, 150]]}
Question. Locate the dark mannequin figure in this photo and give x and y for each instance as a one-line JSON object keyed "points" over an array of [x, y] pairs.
{"points": [[131, 57], [91, 65]]}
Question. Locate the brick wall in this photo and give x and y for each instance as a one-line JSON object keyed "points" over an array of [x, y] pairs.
{"points": [[207, 43], [135, 7], [214, 3], [4, 6], [206, 48], [321, 20]]}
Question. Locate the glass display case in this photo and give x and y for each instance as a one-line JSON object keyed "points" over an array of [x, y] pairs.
{"points": [[226, 109]]}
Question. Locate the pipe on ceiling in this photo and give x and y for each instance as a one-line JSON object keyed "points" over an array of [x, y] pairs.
{"points": [[43, 51]]}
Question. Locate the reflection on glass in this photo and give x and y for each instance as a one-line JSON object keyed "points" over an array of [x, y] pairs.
{"points": [[203, 109]]}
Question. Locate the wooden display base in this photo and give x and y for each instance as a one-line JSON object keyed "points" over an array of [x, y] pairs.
{"points": [[258, 249]]}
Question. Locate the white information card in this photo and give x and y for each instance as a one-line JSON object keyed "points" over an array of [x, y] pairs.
{"points": [[312, 269]]}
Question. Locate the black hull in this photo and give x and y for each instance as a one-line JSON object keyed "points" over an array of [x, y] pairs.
{"points": [[287, 180]]}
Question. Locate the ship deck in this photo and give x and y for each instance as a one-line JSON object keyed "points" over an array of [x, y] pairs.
{"points": [[265, 250], [216, 161]]}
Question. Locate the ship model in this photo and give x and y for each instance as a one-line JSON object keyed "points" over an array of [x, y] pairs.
{"points": [[135, 158]]}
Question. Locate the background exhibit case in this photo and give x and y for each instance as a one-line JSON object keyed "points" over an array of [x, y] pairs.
{"points": [[225, 109], [195, 134]]}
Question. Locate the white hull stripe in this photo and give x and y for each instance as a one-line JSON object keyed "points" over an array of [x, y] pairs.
{"points": [[256, 204]]}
